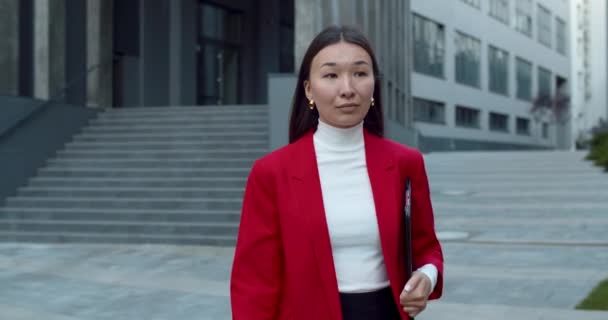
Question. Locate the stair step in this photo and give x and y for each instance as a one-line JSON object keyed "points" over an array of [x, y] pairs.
{"points": [[171, 175], [241, 130], [109, 115], [134, 193], [121, 153], [145, 182], [147, 145], [182, 120], [189, 109], [116, 238], [129, 227], [150, 215], [150, 163], [126, 203], [162, 136], [144, 172], [233, 126]]}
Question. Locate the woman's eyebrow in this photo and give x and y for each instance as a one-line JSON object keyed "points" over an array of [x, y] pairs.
{"points": [[333, 64]]}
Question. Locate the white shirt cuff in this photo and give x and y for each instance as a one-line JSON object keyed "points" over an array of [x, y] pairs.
{"points": [[430, 271]]}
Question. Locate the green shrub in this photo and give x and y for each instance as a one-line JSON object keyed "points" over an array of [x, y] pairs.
{"points": [[597, 299], [599, 150]]}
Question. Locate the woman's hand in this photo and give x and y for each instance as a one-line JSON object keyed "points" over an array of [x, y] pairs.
{"points": [[415, 294]]}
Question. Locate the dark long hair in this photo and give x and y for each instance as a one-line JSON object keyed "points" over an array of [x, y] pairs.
{"points": [[303, 119]]}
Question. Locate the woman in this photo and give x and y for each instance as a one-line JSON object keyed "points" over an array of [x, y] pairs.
{"points": [[322, 227]]}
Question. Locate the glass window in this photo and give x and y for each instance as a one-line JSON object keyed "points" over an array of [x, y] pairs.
{"points": [[545, 130], [560, 35], [544, 82], [544, 25], [498, 64], [474, 3], [467, 117], [468, 52], [429, 111], [523, 126], [523, 17], [499, 9], [220, 24], [499, 122], [429, 40], [524, 79]]}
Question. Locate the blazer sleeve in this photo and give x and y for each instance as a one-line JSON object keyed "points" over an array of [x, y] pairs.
{"points": [[255, 284], [425, 246]]}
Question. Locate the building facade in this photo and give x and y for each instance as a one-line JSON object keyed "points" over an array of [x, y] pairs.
{"points": [[468, 80], [480, 67], [188, 52], [149, 53], [589, 66]]}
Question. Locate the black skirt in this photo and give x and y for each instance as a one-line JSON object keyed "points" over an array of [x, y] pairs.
{"points": [[369, 305]]}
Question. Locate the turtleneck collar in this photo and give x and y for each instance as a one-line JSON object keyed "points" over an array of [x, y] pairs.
{"points": [[339, 138]]}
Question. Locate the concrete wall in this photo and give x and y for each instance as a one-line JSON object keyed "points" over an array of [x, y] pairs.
{"points": [[99, 53], [76, 51], [154, 43], [280, 94], [24, 150], [429, 144], [458, 16], [589, 58], [9, 47], [49, 47], [14, 110], [183, 42]]}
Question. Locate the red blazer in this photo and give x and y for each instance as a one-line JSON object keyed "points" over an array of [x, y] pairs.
{"points": [[283, 265]]}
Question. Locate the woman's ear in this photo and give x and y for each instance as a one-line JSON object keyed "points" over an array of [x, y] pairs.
{"points": [[307, 89]]}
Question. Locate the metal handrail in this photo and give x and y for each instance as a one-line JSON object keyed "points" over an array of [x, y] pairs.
{"points": [[60, 94]]}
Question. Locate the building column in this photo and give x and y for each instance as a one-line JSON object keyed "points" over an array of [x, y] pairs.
{"points": [[76, 51], [307, 25], [182, 52], [154, 40], [9, 47], [49, 48], [99, 53]]}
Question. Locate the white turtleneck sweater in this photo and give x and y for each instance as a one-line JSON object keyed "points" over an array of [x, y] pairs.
{"points": [[350, 210]]}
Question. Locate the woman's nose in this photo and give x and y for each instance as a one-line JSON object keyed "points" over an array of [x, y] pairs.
{"points": [[346, 87]]}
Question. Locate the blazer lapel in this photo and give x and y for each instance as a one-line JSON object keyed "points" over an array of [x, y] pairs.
{"points": [[307, 187], [384, 179]]}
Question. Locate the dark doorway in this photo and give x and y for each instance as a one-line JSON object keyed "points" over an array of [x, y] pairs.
{"points": [[126, 49], [220, 34]]}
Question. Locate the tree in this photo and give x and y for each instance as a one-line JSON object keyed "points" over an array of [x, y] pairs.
{"points": [[557, 107]]}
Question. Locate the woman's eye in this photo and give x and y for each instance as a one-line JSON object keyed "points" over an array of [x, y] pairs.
{"points": [[330, 75], [360, 74]]}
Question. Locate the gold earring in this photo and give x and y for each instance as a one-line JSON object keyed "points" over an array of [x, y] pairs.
{"points": [[311, 104], [372, 101]]}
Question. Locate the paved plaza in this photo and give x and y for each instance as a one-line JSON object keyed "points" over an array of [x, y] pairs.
{"points": [[525, 236]]}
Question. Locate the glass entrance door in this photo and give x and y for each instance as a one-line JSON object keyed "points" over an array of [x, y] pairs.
{"points": [[219, 55]]}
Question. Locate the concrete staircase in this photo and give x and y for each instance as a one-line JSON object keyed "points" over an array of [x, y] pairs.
{"points": [[144, 175]]}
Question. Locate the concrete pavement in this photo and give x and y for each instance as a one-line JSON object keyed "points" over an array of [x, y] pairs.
{"points": [[534, 244]]}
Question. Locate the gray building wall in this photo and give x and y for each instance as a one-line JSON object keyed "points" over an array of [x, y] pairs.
{"points": [[280, 93], [76, 51], [9, 46], [99, 53], [164, 68], [49, 54], [183, 54], [387, 25], [38, 39]]}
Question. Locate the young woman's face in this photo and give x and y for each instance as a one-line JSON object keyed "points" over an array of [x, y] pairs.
{"points": [[341, 84]]}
